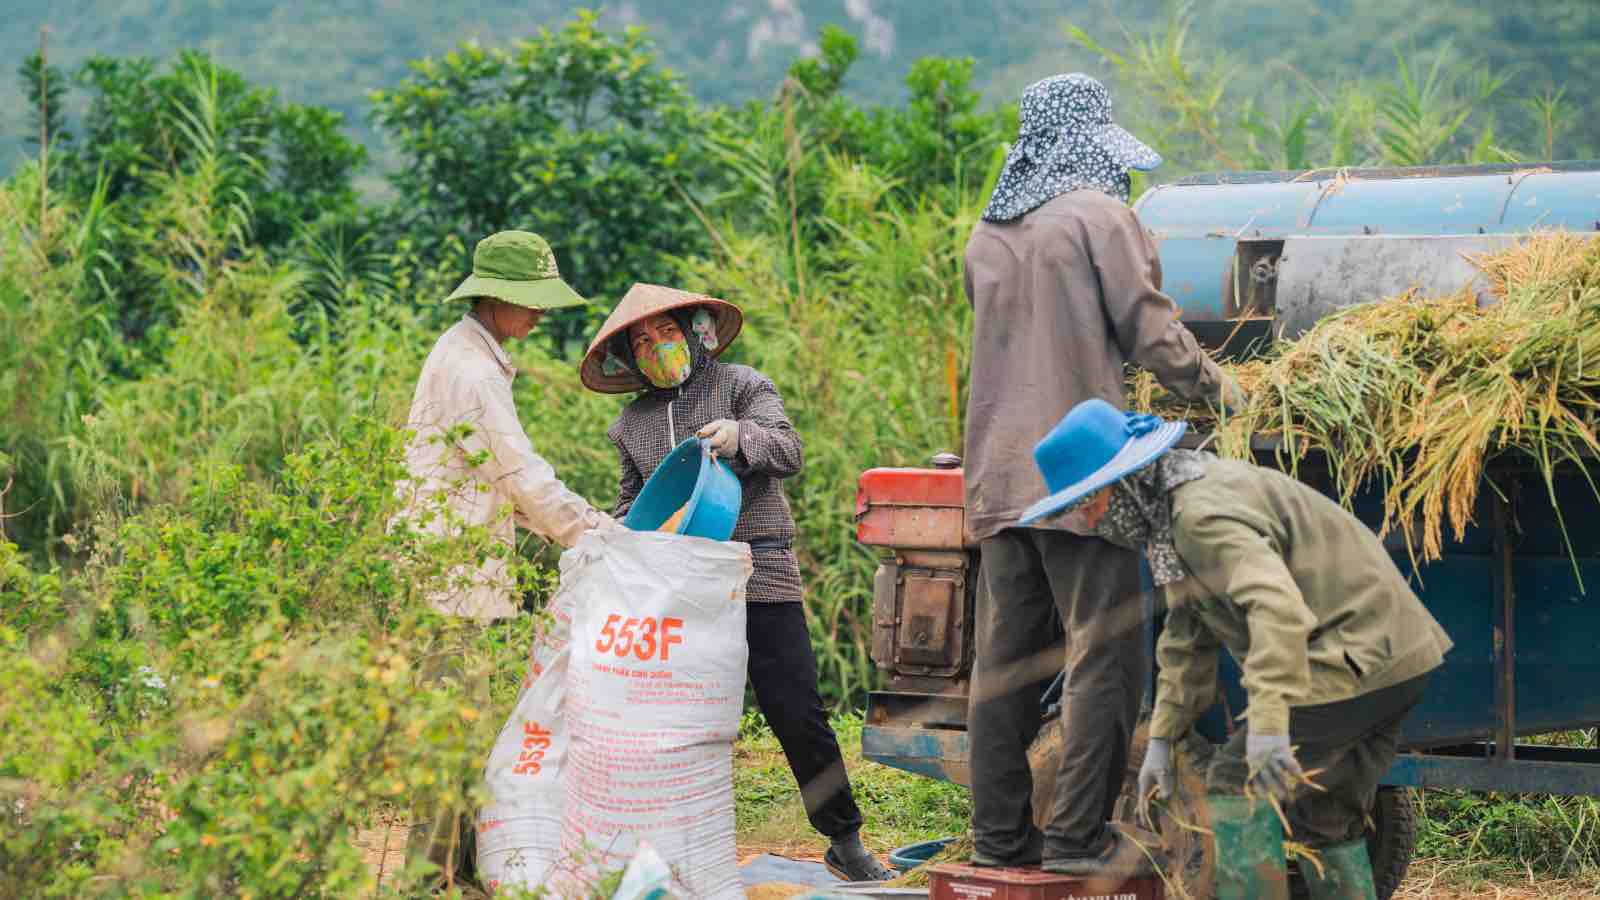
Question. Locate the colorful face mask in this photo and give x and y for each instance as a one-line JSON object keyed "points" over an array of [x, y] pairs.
{"points": [[666, 364]]}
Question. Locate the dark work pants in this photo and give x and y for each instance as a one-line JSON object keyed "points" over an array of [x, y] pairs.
{"points": [[1028, 576], [1352, 741], [783, 674]]}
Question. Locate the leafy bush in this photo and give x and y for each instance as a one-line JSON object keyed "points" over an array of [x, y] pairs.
{"points": [[276, 164], [236, 683]]}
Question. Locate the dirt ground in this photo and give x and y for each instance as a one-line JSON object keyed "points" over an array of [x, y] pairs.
{"points": [[1427, 879]]}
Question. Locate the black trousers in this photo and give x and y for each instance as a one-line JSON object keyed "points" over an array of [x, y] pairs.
{"points": [[1030, 576], [783, 674], [1353, 742]]}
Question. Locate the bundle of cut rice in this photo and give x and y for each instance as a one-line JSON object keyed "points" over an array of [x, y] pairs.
{"points": [[1415, 393]]}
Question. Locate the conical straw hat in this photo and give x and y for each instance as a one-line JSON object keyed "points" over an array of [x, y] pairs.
{"points": [[641, 302]]}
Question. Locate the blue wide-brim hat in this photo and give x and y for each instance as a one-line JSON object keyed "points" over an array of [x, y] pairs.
{"points": [[1096, 445]]}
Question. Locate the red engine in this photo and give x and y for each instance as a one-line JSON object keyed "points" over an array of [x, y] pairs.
{"points": [[923, 593]]}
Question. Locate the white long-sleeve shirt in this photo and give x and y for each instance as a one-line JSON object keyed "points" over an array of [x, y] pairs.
{"points": [[467, 381]]}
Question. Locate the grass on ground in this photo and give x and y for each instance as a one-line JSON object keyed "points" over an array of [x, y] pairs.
{"points": [[1470, 844], [899, 808]]}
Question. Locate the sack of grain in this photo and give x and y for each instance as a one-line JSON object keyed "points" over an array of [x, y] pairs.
{"points": [[655, 688], [519, 829]]}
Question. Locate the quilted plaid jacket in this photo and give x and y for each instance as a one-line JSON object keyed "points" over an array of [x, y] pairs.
{"points": [[769, 451]]}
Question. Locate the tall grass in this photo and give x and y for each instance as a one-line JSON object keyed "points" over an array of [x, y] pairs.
{"points": [[1435, 109], [55, 342]]}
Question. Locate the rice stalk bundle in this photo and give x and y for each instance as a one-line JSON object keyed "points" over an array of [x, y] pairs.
{"points": [[1416, 393]]}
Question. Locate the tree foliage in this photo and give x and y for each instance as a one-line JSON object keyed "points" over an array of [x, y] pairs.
{"points": [[577, 134], [271, 165]]}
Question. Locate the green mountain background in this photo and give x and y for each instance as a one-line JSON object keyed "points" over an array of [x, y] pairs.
{"points": [[333, 52]]}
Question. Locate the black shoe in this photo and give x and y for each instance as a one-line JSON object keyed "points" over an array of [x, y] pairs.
{"points": [[1031, 855], [849, 860], [1123, 857]]}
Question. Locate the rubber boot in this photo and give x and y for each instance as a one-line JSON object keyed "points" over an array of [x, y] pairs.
{"points": [[1346, 873], [1249, 849]]}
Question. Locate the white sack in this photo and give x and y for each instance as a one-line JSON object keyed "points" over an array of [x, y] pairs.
{"points": [[519, 829], [655, 688]]}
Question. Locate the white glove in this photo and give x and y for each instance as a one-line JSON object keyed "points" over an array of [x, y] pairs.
{"points": [[723, 435], [606, 524], [1155, 776], [1273, 768]]}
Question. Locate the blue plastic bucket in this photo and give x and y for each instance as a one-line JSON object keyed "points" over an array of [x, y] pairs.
{"points": [[912, 855], [689, 475]]}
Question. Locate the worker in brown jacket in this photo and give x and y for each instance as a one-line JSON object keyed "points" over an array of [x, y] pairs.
{"points": [[1065, 286]]}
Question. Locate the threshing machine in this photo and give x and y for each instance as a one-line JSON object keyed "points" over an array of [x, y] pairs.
{"points": [[1258, 257]]}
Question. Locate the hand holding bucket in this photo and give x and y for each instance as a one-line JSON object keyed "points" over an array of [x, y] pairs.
{"points": [[691, 493]]}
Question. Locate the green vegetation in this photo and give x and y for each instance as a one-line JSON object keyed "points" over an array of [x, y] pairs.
{"points": [[899, 808], [332, 53], [209, 640], [229, 687]]}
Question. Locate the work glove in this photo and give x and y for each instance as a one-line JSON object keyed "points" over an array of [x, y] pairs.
{"points": [[607, 524], [723, 436], [1155, 776], [1273, 768]]}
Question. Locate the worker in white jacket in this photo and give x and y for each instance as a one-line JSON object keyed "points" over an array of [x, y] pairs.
{"points": [[486, 466]]}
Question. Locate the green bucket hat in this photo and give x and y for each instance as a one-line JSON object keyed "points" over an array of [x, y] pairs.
{"points": [[517, 267]]}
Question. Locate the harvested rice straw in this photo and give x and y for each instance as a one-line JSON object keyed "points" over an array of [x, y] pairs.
{"points": [[1306, 780], [1294, 850], [1414, 394]]}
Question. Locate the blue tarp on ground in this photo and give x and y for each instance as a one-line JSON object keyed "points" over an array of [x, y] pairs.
{"points": [[767, 868]]}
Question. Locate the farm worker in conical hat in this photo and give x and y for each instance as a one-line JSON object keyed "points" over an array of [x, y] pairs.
{"points": [[1334, 647], [466, 381], [662, 345], [1065, 287]]}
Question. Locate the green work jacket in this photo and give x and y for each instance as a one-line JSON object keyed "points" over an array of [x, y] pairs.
{"points": [[1299, 591]]}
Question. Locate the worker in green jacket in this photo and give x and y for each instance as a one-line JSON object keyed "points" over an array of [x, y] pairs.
{"points": [[1334, 646]]}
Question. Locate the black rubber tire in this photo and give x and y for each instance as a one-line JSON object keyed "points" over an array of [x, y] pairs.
{"points": [[1391, 845]]}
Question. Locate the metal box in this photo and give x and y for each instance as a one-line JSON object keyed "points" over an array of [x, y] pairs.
{"points": [[911, 509], [957, 882], [920, 624]]}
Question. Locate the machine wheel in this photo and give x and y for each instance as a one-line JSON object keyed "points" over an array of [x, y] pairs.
{"points": [[1389, 843]]}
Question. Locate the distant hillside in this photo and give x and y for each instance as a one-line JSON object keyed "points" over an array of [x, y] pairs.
{"points": [[332, 52]]}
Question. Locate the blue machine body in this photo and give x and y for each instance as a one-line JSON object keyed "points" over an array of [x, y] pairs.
{"points": [[1198, 221]]}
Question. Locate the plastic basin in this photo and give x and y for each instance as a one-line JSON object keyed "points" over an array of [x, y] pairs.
{"points": [[912, 855], [689, 475]]}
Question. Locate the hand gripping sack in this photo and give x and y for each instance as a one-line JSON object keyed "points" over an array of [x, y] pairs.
{"points": [[655, 688], [519, 828]]}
